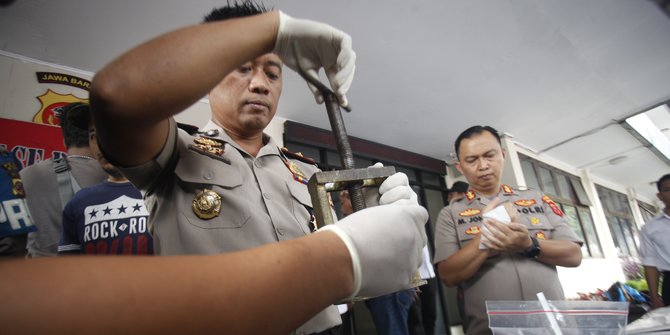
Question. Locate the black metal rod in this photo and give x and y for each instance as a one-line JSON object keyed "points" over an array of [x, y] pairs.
{"points": [[339, 131], [343, 147]]}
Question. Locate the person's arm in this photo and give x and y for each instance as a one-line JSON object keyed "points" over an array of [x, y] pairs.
{"points": [[463, 264], [455, 264], [652, 275], [514, 237], [132, 97], [224, 294], [649, 258]]}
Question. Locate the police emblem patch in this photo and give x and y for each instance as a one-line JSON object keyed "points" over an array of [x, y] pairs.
{"points": [[206, 204], [553, 205]]}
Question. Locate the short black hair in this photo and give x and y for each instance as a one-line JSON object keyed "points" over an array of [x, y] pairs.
{"points": [[660, 181], [472, 131], [74, 119], [235, 10]]}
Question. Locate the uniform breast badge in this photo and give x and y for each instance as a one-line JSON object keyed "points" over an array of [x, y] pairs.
{"points": [[298, 175], [207, 204]]}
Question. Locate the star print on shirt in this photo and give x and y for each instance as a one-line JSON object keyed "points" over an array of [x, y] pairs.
{"points": [[136, 208], [93, 213], [122, 209], [107, 211]]}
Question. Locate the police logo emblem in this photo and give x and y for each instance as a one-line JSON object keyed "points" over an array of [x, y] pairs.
{"points": [[207, 204]]}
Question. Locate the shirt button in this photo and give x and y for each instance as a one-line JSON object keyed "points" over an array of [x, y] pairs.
{"points": [[257, 163], [266, 195], [208, 175]]}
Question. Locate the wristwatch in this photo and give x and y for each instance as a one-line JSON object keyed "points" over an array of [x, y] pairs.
{"points": [[534, 250]]}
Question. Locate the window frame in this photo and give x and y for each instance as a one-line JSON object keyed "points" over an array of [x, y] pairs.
{"points": [[579, 200]]}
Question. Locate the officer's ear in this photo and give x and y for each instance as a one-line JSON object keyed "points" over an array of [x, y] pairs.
{"points": [[457, 164]]}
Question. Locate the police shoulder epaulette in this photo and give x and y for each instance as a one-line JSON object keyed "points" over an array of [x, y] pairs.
{"points": [[190, 129], [299, 156]]}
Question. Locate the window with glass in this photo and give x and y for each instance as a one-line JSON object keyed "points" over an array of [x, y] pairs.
{"points": [[568, 192], [620, 221], [648, 211]]}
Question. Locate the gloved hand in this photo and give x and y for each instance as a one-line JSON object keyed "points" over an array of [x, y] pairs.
{"points": [[389, 264], [394, 189], [320, 45]]}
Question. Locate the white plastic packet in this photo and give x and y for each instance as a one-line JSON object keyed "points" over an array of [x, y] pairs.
{"points": [[572, 317], [499, 213]]}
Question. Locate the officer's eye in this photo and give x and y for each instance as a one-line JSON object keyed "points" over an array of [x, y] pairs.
{"points": [[272, 75]]}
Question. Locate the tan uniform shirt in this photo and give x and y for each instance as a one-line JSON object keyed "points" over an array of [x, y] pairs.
{"points": [[505, 276], [262, 201]]}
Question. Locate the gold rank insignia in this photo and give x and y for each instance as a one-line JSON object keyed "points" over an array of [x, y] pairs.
{"points": [[470, 212], [534, 221], [525, 202], [207, 204], [540, 235], [507, 189], [209, 147], [470, 195]]}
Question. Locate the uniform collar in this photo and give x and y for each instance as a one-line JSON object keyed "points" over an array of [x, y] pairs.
{"points": [[269, 148], [471, 194]]}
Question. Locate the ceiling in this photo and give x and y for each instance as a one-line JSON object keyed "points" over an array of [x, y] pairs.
{"points": [[553, 74]]}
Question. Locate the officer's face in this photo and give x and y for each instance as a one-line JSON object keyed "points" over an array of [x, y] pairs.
{"points": [[245, 101], [481, 161], [664, 193]]}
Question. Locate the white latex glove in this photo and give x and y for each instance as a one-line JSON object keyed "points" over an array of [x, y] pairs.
{"points": [[385, 244], [320, 46], [499, 213], [394, 189]]}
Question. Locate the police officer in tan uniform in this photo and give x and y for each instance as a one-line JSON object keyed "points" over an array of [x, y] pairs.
{"points": [[491, 258], [228, 187]]}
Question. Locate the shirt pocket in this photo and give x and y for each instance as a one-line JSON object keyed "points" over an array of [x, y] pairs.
{"points": [[538, 226], [196, 173], [301, 205]]}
